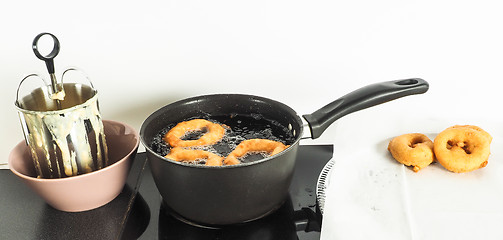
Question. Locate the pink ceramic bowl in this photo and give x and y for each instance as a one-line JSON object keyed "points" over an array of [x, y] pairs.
{"points": [[86, 191]]}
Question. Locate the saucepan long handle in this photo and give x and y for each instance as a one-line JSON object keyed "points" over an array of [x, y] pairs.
{"points": [[362, 98]]}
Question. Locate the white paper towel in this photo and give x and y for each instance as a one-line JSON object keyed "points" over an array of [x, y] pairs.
{"points": [[372, 196]]}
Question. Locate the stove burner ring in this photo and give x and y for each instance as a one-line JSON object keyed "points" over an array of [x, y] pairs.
{"points": [[165, 209]]}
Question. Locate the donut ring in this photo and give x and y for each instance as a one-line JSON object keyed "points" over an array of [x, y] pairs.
{"points": [[181, 154], [462, 148], [486, 134], [214, 133], [254, 145], [413, 149]]}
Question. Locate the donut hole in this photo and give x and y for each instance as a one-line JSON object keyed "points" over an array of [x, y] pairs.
{"points": [[253, 156], [463, 145], [415, 141], [467, 148], [194, 135], [198, 161], [450, 144]]}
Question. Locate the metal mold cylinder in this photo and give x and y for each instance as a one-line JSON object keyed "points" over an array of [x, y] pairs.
{"points": [[65, 137]]}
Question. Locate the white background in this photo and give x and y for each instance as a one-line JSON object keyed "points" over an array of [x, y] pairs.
{"points": [[142, 55]]}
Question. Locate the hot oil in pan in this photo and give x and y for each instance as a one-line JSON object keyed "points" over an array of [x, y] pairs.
{"points": [[238, 128]]}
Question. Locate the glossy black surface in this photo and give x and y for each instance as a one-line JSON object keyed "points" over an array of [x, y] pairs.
{"points": [[230, 194], [24, 215], [297, 218], [365, 97], [137, 213]]}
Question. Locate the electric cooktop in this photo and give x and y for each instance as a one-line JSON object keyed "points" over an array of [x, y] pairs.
{"points": [[138, 212]]}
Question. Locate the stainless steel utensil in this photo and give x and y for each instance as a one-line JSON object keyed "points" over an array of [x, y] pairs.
{"points": [[62, 124]]}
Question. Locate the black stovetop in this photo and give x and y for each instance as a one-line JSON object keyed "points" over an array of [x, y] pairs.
{"points": [[138, 213]]}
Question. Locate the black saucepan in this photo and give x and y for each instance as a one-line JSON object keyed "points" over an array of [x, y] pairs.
{"points": [[235, 194]]}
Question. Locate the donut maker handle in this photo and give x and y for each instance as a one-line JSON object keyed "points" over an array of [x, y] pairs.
{"points": [[362, 98], [48, 59]]}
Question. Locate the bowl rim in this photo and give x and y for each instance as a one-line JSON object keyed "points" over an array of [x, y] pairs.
{"points": [[74, 178]]}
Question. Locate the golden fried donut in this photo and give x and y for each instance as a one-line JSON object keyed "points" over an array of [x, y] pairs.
{"points": [[214, 133], [462, 148], [413, 149], [181, 154], [251, 146]]}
